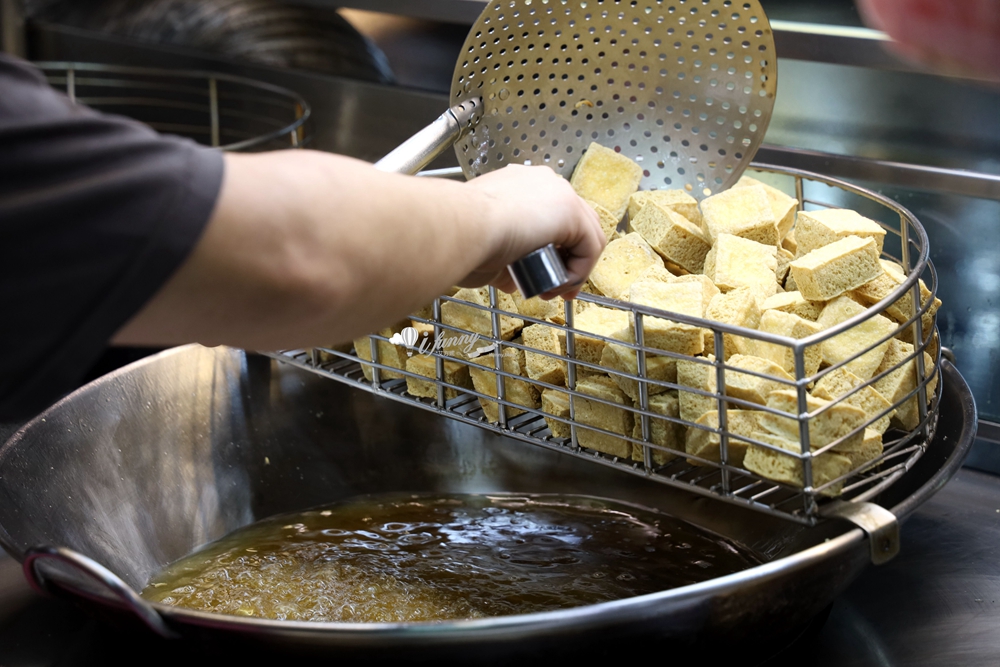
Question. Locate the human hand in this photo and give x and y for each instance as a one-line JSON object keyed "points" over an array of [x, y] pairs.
{"points": [[525, 208]]}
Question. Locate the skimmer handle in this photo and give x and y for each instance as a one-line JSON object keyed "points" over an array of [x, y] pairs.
{"points": [[537, 273]]}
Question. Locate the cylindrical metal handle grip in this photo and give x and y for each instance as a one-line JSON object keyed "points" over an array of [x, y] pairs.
{"points": [[539, 272]]}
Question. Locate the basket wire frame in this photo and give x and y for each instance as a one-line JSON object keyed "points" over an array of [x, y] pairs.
{"points": [[716, 478], [228, 112]]}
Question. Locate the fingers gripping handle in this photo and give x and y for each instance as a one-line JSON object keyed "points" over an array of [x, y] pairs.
{"points": [[537, 273]]}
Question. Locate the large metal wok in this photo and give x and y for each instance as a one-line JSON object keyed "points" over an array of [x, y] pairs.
{"points": [[144, 465]]}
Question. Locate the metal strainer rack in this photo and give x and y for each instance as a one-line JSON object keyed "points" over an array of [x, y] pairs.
{"points": [[906, 242], [228, 112]]}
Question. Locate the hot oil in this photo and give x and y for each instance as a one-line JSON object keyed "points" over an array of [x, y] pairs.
{"points": [[426, 558]]}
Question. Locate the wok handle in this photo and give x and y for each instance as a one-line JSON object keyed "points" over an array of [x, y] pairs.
{"points": [[141, 608], [537, 273]]}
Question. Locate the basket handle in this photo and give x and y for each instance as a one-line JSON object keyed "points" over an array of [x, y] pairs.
{"points": [[537, 273], [102, 575]]}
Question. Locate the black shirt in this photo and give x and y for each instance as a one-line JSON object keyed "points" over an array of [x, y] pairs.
{"points": [[96, 213]]}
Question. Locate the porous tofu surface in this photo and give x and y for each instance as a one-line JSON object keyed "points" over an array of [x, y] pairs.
{"points": [[750, 386], [607, 178], [786, 324], [556, 404], [455, 373], [672, 236], [836, 422], [794, 303], [685, 298], [621, 262], [847, 345], [815, 229], [782, 205], [601, 415], [609, 224], [738, 307], [706, 444], [744, 212], [543, 367], [596, 320], [676, 200], [789, 470], [841, 382], [477, 320], [735, 262], [662, 432], [844, 265], [624, 360]]}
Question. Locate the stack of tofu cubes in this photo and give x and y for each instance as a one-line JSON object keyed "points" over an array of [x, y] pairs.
{"points": [[746, 257]]}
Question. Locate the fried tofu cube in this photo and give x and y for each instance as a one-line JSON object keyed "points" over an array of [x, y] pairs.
{"points": [[840, 382], [553, 310], [698, 375], [609, 225], [789, 243], [744, 212], [861, 336], [844, 265], [900, 310], [388, 354], [556, 404], [784, 259], [596, 320], [476, 320], [621, 262], [836, 422], [621, 359], [686, 298], [794, 303], [783, 206], [673, 236], [601, 415], [793, 326], [519, 392], [815, 229], [539, 366], [901, 381], [606, 177], [788, 469], [455, 373], [735, 262], [870, 449], [708, 445], [662, 432], [655, 273], [754, 388], [678, 201], [738, 307]]}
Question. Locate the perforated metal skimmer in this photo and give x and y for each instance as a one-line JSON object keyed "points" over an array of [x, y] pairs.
{"points": [[683, 87]]}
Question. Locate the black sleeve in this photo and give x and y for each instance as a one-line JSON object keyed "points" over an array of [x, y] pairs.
{"points": [[96, 213]]}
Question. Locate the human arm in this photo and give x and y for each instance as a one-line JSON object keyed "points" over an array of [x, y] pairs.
{"points": [[308, 248]]}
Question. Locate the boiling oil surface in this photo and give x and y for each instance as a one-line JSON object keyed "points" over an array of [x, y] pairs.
{"points": [[429, 558]]}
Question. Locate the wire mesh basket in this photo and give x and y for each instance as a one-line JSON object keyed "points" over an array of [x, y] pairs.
{"points": [[229, 112], [683, 418]]}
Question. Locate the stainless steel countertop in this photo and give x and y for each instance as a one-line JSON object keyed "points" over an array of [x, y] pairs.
{"points": [[935, 604]]}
